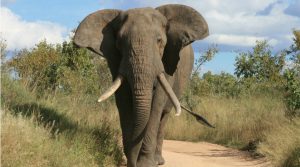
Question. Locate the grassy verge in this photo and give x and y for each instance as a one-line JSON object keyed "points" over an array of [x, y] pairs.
{"points": [[254, 123], [24, 143], [282, 144], [57, 131]]}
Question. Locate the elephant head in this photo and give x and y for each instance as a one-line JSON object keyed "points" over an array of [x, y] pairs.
{"points": [[141, 45]]}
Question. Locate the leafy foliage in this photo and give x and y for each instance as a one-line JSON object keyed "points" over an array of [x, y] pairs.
{"points": [[2, 48], [65, 68], [196, 86], [292, 97], [36, 68], [223, 84], [260, 64], [292, 76], [205, 57]]}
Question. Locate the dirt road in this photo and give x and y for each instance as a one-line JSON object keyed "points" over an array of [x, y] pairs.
{"points": [[202, 154]]}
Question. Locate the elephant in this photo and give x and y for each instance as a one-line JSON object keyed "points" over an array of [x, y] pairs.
{"points": [[150, 57]]}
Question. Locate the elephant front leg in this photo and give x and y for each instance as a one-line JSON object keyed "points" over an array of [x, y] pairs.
{"points": [[126, 114], [132, 141], [147, 153], [160, 138], [137, 138]]}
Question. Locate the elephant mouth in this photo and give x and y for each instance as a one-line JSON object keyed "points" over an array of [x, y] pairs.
{"points": [[162, 80]]}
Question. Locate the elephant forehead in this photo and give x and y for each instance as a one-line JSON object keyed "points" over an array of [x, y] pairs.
{"points": [[140, 12], [139, 16]]}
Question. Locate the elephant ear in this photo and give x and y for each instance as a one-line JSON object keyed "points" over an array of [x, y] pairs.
{"points": [[185, 25], [94, 31]]}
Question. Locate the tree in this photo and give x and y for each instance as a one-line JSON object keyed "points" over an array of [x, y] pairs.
{"points": [[3, 48], [205, 57], [292, 76], [260, 64], [196, 86], [47, 68], [223, 84], [37, 67], [294, 51]]}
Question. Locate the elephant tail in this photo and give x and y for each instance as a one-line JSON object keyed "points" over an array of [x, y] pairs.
{"points": [[198, 117]]}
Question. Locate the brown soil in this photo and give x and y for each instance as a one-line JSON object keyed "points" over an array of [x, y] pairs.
{"points": [[203, 154]]}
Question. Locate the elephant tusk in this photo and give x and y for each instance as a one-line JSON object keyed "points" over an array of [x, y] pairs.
{"points": [[111, 90], [165, 84]]}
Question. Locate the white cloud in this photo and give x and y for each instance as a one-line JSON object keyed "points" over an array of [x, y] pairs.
{"points": [[20, 33], [240, 40], [230, 7], [238, 23]]}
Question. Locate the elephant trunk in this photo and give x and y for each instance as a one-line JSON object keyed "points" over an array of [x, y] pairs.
{"points": [[142, 100], [141, 82], [140, 86]]}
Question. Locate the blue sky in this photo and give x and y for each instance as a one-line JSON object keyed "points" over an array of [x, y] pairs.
{"points": [[234, 25]]}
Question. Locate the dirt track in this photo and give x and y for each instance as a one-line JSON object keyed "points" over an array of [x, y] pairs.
{"points": [[202, 154]]}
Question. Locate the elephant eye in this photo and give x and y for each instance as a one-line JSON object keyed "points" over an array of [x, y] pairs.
{"points": [[159, 40]]}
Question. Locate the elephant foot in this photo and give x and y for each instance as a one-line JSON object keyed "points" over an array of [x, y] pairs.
{"points": [[159, 159], [146, 162]]}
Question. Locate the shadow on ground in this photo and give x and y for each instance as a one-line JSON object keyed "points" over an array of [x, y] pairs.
{"points": [[45, 115]]}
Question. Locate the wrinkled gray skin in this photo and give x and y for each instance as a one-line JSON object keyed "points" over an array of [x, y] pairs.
{"points": [[140, 44]]}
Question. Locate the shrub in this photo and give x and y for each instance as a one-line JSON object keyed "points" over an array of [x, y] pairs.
{"points": [[292, 97], [260, 64], [47, 68]]}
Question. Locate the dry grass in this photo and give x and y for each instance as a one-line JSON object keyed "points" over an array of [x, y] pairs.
{"points": [[282, 144], [24, 143], [238, 122], [58, 131]]}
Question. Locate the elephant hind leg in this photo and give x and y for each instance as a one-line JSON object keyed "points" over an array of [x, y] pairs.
{"points": [[160, 137]]}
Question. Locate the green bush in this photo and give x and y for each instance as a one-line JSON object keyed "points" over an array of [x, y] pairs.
{"points": [[292, 76], [292, 97], [65, 68], [260, 64]]}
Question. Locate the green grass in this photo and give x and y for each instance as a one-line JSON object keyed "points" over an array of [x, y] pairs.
{"points": [[58, 130]]}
